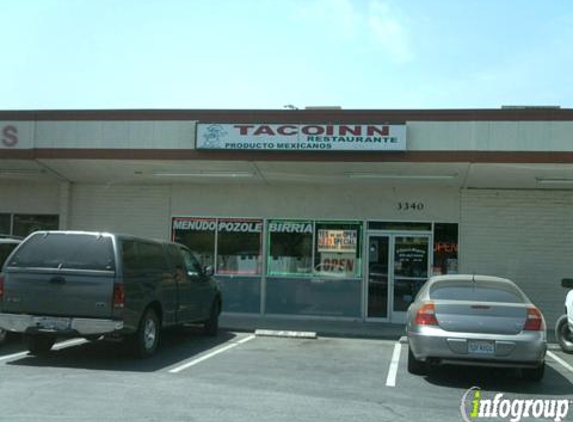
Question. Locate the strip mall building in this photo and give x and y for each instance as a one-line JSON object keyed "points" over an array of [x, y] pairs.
{"points": [[335, 214]]}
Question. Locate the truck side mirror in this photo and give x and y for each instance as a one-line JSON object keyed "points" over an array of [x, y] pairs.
{"points": [[567, 283], [208, 270]]}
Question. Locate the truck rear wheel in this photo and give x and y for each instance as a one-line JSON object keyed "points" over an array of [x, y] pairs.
{"points": [[146, 339], [39, 344], [211, 326]]}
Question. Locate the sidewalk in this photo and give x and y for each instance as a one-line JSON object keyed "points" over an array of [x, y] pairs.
{"points": [[326, 328], [323, 328]]}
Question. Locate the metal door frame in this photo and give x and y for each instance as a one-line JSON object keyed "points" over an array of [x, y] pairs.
{"points": [[397, 317]]}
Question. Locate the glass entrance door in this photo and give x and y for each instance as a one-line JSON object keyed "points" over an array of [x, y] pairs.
{"points": [[411, 267], [378, 276], [398, 266]]}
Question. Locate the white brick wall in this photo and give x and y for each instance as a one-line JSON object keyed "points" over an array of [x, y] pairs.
{"points": [[138, 210], [316, 202], [526, 236], [29, 197]]}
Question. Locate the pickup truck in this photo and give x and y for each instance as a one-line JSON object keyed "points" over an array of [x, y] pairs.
{"points": [[88, 284], [7, 245]]}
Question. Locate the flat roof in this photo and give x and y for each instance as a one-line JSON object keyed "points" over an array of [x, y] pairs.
{"points": [[323, 116]]}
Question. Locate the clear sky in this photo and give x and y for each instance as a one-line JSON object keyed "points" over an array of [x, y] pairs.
{"points": [[265, 54]]}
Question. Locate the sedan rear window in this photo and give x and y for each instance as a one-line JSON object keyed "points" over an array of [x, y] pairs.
{"points": [[478, 291], [67, 251]]}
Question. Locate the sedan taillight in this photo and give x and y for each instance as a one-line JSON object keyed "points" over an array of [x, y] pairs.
{"points": [[426, 315], [534, 321]]}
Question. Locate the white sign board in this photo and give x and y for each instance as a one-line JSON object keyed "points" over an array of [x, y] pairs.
{"points": [[16, 135], [303, 137]]}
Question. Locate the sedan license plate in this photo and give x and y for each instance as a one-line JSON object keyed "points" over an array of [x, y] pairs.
{"points": [[50, 323], [481, 347]]}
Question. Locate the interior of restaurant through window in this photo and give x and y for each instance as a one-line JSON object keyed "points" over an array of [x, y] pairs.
{"points": [[312, 267], [23, 224]]}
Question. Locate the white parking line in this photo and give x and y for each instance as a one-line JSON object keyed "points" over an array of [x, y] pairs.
{"points": [[559, 360], [393, 371], [57, 346], [210, 355]]}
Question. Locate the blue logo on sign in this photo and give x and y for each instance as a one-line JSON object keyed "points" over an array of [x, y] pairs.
{"points": [[213, 135]]}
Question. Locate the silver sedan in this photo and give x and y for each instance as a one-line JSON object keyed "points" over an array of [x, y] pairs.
{"points": [[475, 320]]}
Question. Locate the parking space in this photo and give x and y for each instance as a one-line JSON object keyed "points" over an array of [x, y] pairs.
{"points": [[237, 376]]}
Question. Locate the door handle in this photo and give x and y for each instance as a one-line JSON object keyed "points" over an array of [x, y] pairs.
{"points": [[57, 280]]}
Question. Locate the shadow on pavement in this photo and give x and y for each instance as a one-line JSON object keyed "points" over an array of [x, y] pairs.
{"points": [[176, 346], [500, 380]]}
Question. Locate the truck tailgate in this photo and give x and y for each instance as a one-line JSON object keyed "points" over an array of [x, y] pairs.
{"points": [[77, 293]]}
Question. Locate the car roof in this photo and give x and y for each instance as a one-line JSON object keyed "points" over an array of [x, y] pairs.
{"points": [[103, 234]]}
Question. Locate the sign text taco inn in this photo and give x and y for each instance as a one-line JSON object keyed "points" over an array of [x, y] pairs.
{"points": [[282, 137]]}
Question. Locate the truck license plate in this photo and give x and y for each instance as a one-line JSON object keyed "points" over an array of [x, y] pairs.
{"points": [[51, 323], [481, 347]]}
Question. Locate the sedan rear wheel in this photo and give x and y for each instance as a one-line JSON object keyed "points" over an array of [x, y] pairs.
{"points": [[534, 374], [415, 366]]}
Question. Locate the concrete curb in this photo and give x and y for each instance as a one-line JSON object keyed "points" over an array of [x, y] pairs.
{"points": [[286, 334]]}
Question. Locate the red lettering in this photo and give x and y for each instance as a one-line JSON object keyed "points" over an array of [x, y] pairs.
{"points": [[10, 136], [356, 131], [446, 247], [244, 129], [282, 130], [350, 265], [313, 130], [264, 130], [373, 130], [330, 130]]}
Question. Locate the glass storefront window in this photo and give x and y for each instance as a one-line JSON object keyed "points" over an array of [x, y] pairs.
{"points": [[5, 223], [198, 234], [24, 224], [338, 250], [445, 248], [239, 246], [290, 247]]}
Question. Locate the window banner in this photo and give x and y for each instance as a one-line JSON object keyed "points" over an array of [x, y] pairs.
{"points": [[194, 224], [223, 225], [342, 241]]}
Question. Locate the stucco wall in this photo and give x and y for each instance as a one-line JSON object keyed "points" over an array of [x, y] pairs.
{"points": [[526, 236]]}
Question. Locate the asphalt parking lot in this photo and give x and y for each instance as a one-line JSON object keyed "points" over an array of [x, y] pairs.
{"points": [[240, 377]]}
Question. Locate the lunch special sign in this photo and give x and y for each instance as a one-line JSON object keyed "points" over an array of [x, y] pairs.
{"points": [[301, 137]]}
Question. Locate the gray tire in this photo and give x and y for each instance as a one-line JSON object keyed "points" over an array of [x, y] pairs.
{"points": [[146, 339], [564, 335], [533, 374], [416, 366], [211, 326]]}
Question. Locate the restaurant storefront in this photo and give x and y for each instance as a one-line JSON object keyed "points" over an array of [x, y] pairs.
{"points": [[324, 214]]}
